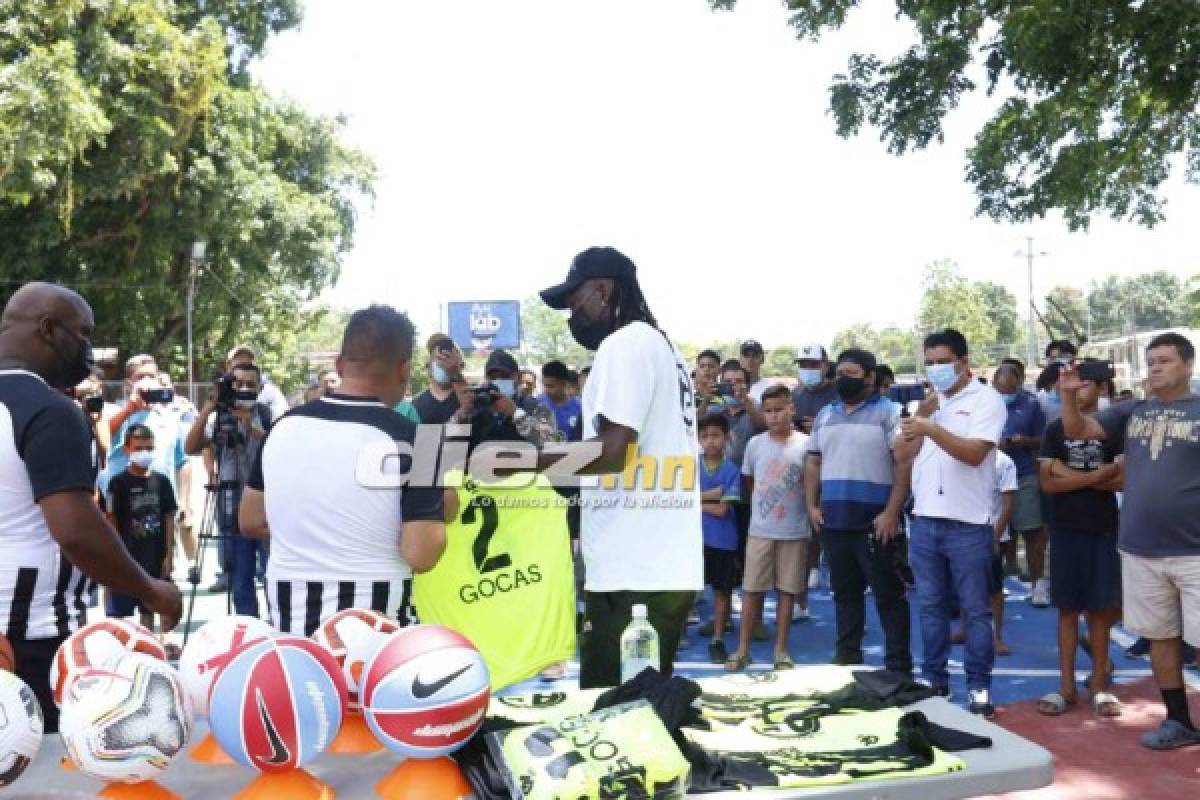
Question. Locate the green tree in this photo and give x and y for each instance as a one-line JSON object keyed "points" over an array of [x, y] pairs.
{"points": [[129, 130], [1067, 312], [1194, 300], [1151, 300], [1001, 307], [951, 301], [1098, 97], [780, 362], [891, 345], [547, 337]]}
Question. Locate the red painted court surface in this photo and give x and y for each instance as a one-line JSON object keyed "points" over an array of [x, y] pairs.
{"points": [[1102, 759]]}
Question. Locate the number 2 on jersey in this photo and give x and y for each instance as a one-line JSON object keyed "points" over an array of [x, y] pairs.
{"points": [[483, 539]]}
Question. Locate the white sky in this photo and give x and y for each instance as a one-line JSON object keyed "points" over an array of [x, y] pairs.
{"points": [[510, 135]]}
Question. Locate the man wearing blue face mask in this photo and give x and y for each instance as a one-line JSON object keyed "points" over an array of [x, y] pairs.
{"points": [[439, 403], [951, 444], [1022, 441], [510, 415], [814, 390]]}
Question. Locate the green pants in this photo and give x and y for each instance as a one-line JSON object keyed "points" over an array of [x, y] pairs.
{"points": [[607, 614]]}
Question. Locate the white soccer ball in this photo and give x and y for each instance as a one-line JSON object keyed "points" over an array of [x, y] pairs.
{"points": [[20, 727], [96, 645], [125, 722], [353, 636], [210, 648]]}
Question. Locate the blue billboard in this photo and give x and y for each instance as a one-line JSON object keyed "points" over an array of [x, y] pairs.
{"points": [[485, 325]]}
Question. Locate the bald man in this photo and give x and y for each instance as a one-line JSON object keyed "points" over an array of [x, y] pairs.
{"points": [[52, 534]]}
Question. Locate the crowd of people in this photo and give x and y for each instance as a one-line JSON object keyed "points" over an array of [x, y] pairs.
{"points": [[922, 491]]}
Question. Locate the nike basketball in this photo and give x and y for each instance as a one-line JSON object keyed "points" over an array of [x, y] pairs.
{"points": [[124, 722], [277, 704], [425, 692], [212, 647], [97, 645]]}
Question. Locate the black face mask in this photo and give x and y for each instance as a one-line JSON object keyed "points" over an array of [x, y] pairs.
{"points": [[589, 332], [73, 369], [849, 389]]}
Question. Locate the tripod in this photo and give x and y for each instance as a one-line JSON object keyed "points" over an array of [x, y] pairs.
{"points": [[221, 501]]}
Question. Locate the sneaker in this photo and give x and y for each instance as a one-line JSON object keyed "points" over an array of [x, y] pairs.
{"points": [[1041, 594], [938, 691], [814, 579], [1139, 649], [981, 703], [1169, 736], [800, 614], [717, 653]]}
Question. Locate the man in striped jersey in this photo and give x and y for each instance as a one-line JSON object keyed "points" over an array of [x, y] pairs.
{"points": [[335, 542], [50, 525]]}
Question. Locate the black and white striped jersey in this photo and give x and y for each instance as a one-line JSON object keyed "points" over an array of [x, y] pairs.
{"points": [[335, 541], [46, 447], [299, 607]]}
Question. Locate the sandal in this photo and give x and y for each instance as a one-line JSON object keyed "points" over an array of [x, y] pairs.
{"points": [[737, 663], [1054, 704], [1169, 736], [1106, 704], [784, 661]]}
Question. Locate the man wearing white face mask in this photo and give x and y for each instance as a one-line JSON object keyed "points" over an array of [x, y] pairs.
{"points": [[951, 443]]}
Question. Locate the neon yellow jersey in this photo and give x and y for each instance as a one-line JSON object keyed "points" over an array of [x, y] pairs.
{"points": [[506, 580]]}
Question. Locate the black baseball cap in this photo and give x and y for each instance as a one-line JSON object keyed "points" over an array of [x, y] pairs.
{"points": [[751, 346], [501, 359], [595, 262]]}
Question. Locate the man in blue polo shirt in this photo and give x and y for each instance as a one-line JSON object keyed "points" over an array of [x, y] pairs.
{"points": [[855, 491], [568, 409], [1022, 440]]}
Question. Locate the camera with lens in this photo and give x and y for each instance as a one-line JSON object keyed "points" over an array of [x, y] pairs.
{"points": [[485, 394], [229, 397]]}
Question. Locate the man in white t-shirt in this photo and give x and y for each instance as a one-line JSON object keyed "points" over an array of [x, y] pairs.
{"points": [[641, 530], [952, 445]]}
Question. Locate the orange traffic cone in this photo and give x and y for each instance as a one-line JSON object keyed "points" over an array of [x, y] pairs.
{"points": [[428, 779], [295, 784]]}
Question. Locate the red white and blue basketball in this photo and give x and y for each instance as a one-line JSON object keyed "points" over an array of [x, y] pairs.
{"points": [[425, 692], [277, 704], [353, 636], [210, 648]]}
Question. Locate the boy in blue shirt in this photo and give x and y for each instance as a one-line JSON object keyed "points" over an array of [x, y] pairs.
{"points": [[720, 487]]}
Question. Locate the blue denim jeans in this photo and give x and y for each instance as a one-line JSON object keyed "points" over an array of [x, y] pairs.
{"points": [[245, 558], [954, 558]]}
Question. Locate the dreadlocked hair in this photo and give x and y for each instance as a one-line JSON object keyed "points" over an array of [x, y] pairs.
{"points": [[629, 305]]}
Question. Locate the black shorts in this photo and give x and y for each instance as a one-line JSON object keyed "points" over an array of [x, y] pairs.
{"points": [[1085, 570], [33, 658], [721, 569]]}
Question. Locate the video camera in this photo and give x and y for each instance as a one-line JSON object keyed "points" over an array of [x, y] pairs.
{"points": [[230, 397]]}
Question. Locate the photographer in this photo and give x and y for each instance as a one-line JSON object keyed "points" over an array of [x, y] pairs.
{"points": [[497, 411], [234, 423], [439, 403]]}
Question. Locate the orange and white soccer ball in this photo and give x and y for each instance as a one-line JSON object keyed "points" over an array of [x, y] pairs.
{"points": [[99, 644], [353, 636]]}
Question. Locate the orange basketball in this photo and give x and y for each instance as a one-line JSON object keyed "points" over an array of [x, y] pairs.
{"points": [[8, 661]]}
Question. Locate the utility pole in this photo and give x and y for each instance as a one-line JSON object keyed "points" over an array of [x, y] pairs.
{"points": [[198, 251], [1031, 348]]}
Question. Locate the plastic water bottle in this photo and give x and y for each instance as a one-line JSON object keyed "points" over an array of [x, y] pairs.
{"points": [[639, 645]]}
